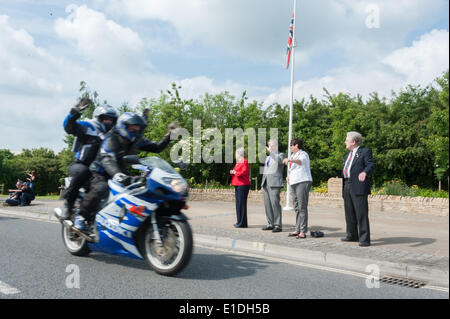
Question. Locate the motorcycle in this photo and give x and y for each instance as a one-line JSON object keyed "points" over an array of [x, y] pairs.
{"points": [[142, 220]]}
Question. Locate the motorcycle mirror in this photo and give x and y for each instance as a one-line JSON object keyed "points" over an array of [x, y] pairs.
{"points": [[130, 160]]}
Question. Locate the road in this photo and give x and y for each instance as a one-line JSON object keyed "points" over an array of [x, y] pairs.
{"points": [[35, 264]]}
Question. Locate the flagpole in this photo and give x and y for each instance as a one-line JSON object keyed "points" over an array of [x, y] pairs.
{"points": [[287, 206]]}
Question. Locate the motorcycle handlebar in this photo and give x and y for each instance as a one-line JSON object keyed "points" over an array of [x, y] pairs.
{"points": [[138, 181]]}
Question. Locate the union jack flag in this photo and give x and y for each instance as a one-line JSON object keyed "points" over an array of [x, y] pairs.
{"points": [[291, 35]]}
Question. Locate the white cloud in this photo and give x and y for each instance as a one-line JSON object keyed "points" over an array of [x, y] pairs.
{"points": [[424, 60], [418, 64], [346, 80], [258, 29], [114, 59], [37, 88], [25, 67], [193, 88], [31, 91], [102, 41], [109, 47], [243, 28]]}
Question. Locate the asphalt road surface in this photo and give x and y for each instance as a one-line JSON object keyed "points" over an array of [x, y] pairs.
{"points": [[34, 264]]}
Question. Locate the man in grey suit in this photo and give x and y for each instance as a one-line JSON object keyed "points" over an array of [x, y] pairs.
{"points": [[272, 182]]}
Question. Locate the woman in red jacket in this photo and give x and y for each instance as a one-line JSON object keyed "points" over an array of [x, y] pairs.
{"points": [[241, 182]]}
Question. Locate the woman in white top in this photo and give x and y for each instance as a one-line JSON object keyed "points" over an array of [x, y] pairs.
{"points": [[300, 180]]}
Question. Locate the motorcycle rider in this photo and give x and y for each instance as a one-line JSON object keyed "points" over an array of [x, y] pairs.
{"points": [[125, 139], [89, 135]]}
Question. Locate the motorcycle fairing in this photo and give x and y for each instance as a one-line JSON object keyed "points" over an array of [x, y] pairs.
{"points": [[117, 237]]}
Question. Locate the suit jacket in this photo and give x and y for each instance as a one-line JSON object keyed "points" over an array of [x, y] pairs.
{"points": [[363, 162], [273, 173]]}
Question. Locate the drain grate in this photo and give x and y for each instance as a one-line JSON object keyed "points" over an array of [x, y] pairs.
{"points": [[403, 282]]}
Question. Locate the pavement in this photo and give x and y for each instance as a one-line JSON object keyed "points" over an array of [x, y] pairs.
{"points": [[405, 245]]}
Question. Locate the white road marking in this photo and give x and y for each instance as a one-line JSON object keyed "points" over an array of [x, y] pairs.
{"points": [[7, 289], [297, 263], [436, 288]]}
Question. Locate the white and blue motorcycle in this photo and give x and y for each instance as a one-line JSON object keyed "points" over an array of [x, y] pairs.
{"points": [[142, 220]]}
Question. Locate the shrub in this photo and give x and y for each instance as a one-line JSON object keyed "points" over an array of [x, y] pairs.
{"points": [[322, 188], [399, 188], [426, 192], [395, 188]]}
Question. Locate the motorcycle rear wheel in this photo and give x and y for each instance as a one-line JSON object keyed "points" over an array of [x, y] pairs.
{"points": [[176, 251], [75, 244]]}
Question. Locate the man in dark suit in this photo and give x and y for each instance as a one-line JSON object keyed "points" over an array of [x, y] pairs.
{"points": [[358, 166]]}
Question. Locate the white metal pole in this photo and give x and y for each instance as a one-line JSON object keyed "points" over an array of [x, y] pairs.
{"points": [[287, 206]]}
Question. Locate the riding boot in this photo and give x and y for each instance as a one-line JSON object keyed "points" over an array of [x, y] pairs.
{"points": [[66, 211], [80, 223], [84, 223]]}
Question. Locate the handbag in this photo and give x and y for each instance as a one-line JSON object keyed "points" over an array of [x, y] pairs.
{"points": [[317, 234]]}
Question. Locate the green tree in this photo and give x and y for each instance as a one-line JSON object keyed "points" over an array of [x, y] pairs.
{"points": [[46, 165], [7, 176], [406, 156], [408, 133], [438, 129]]}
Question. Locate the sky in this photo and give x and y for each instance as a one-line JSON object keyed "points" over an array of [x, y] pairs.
{"points": [[130, 49]]}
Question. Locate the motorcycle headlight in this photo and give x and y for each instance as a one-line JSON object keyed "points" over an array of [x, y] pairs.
{"points": [[177, 185]]}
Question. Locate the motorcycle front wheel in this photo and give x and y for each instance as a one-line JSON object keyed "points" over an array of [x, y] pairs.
{"points": [[174, 253]]}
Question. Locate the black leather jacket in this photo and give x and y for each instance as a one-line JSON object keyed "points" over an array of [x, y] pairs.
{"points": [[115, 147]]}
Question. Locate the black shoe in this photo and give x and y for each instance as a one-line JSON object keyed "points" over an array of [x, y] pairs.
{"points": [[277, 229], [364, 244], [268, 227], [348, 239]]}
